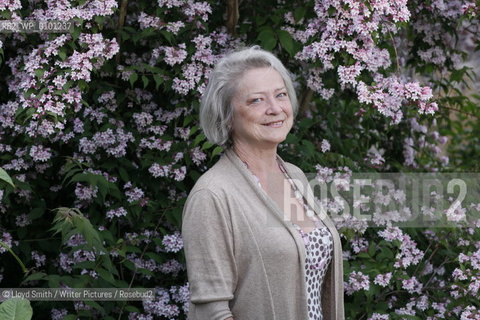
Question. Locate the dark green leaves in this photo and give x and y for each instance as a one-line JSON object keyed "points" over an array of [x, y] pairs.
{"points": [[268, 39]]}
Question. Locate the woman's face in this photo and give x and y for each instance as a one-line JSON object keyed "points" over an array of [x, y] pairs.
{"points": [[263, 113]]}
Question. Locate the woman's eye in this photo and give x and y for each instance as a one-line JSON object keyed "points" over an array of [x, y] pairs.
{"points": [[282, 94], [255, 100]]}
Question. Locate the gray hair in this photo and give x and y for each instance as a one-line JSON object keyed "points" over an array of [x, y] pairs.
{"points": [[216, 111]]}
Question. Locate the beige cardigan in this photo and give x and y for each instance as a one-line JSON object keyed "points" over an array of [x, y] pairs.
{"points": [[243, 259]]}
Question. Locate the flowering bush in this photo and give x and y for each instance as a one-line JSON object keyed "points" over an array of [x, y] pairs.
{"points": [[99, 133]]}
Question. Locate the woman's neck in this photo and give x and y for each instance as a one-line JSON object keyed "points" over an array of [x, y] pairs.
{"points": [[259, 161]]}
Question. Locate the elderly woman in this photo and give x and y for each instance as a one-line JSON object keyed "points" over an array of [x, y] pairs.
{"points": [[256, 243]]}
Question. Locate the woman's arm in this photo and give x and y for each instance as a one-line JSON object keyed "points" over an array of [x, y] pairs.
{"points": [[208, 246]]}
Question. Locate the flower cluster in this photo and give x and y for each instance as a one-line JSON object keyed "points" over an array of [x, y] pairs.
{"points": [[63, 10], [42, 68], [383, 279], [409, 253], [173, 242], [354, 29], [357, 281]]}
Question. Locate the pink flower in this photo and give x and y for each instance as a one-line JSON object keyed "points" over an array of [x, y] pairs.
{"points": [[412, 285], [119, 212], [357, 281], [173, 55], [409, 253], [383, 279], [325, 145], [179, 174], [10, 5], [85, 192], [157, 170], [6, 238], [378, 316], [40, 153], [197, 155], [173, 242], [349, 74]]}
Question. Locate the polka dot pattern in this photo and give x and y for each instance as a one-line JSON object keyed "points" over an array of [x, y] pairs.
{"points": [[319, 249]]}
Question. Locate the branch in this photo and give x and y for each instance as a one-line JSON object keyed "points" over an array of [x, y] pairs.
{"points": [[2, 244], [160, 219], [305, 100], [232, 15], [396, 53], [461, 111], [121, 22]]}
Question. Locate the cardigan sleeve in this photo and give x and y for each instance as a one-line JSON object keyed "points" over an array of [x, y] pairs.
{"points": [[208, 246]]}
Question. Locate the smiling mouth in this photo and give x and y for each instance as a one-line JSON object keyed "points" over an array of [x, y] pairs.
{"points": [[274, 124]]}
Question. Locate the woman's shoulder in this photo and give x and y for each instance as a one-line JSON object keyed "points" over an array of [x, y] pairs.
{"points": [[220, 177], [294, 170], [292, 167]]}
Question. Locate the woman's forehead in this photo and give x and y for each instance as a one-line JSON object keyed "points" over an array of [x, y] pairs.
{"points": [[260, 80]]}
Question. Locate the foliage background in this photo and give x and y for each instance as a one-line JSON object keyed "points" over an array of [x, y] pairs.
{"points": [[99, 134]]}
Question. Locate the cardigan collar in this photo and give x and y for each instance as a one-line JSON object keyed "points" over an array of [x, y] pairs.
{"points": [[308, 195], [232, 157], [239, 164]]}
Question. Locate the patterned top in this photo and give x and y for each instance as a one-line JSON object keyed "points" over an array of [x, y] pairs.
{"points": [[319, 245], [319, 251]]}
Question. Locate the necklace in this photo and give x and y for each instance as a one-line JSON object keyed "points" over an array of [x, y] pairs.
{"points": [[298, 195]]}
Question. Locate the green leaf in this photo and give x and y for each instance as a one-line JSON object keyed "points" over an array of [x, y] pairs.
{"points": [[457, 75], [35, 276], [70, 221], [308, 147], [155, 257], [91, 234], [270, 44], [363, 255], [372, 249], [26, 94], [145, 81], [83, 177], [123, 174], [16, 309], [167, 35], [207, 145], [299, 13], [39, 73], [36, 213], [286, 41], [106, 275], [131, 309], [198, 139], [5, 177], [133, 78], [82, 84], [62, 54], [216, 151], [39, 94], [158, 80], [267, 38], [187, 120], [100, 20]]}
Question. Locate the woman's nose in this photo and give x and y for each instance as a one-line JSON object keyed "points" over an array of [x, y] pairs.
{"points": [[274, 106]]}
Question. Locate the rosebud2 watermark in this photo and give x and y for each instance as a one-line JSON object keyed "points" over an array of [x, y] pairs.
{"points": [[361, 200]]}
